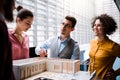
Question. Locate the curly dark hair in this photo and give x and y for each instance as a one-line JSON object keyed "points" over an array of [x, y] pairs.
{"points": [[108, 23]]}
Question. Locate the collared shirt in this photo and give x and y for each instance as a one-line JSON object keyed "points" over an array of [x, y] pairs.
{"points": [[102, 56], [61, 44], [19, 50]]}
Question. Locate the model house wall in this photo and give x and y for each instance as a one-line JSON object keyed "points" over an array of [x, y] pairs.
{"points": [[28, 67]]}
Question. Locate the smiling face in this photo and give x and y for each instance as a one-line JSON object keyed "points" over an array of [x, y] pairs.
{"points": [[24, 24], [97, 28], [66, 27]]}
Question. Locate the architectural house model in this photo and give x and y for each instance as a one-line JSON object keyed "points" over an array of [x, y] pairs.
{"points": [[25, 68]]}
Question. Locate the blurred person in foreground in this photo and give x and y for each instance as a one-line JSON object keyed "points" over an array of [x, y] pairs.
{"points": [[62, 46], [103, 51], [6, 14]]}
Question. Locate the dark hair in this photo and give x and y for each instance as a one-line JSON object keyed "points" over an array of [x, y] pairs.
{"points": [[108, 23], [72, 19], [7, 7], [23, 13]]}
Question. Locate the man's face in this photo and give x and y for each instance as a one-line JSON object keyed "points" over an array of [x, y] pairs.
{"points": [[66, 27]]}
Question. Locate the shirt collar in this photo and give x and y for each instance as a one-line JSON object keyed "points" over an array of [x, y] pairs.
{"points": [[66, 39], [103, 41]]}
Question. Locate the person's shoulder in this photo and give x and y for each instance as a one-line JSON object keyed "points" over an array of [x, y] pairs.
{"points": [[113, 45], [74, 41], [111, 42]]}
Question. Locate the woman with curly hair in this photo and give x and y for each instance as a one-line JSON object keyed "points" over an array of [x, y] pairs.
{"points": [[103, 51]]}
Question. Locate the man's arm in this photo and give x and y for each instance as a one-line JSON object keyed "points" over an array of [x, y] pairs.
{"points": [[42, 48]]}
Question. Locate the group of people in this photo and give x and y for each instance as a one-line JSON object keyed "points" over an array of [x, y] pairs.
{"points": [[14, 44], [103, 51]]}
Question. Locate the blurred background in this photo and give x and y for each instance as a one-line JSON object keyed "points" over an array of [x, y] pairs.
{"points": [[48, 15]]}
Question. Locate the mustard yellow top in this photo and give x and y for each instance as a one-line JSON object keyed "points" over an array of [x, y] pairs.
{"points": [[102, 56]]}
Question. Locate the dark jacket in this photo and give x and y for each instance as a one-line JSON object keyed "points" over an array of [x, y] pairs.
{"points": [[6, 72]]}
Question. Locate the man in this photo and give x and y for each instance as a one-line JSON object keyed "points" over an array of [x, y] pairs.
{"points": [[62, 46]]}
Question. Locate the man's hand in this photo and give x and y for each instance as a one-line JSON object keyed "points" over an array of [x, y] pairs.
{"points": [[43, 53]]}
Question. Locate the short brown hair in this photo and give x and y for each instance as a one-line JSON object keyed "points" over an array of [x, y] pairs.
{"points": [[72, 19]]}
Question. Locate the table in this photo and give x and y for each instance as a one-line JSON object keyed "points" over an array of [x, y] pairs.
{"points": [[81, 75]]}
